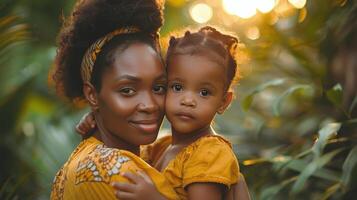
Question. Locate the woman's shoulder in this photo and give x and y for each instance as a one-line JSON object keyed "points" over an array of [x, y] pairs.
{"points": [[93, 167], [96, 162]]}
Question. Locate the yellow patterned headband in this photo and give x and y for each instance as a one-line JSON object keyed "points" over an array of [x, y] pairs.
{"points": [[91, 54]]}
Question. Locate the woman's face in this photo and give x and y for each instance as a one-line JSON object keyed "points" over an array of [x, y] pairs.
{"points": [[132, 95]]}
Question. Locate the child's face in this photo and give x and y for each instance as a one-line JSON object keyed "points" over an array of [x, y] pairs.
{"points": [[196, 91]]}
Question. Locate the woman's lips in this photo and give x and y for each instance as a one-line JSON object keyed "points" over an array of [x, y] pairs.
{"points": [[148, 126]]}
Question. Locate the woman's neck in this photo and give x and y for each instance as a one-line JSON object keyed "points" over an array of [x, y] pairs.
{"points": [[113, 141], [188, 138]]}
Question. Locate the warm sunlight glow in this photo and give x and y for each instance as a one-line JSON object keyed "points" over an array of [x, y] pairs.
{"points": [[253, 33], [298, 3], [265, 6], [242, 8], [201, 13]]}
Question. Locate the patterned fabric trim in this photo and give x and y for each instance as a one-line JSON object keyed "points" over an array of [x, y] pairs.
{"points": [[93, 51], [100, 165]]}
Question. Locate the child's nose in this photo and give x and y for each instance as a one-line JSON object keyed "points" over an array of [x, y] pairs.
{"points": [[187, 100]]}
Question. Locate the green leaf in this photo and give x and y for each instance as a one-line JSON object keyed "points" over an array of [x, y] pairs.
{"points": [[334, 95], [348, 166], [299, 165], [353, 104], [311, 168], [248, 100], [270, 192], [330, 191], [278, 101], [351, 121], [325, 133]]}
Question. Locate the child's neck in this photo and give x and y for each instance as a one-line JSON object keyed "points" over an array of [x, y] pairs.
{"points": [[188, 138]]}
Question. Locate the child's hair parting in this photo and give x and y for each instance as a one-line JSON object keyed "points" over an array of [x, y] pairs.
{"points": [[211, 43], [91, 20]]}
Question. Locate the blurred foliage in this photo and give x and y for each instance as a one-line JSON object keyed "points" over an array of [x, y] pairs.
{"points": [[293, 123]]}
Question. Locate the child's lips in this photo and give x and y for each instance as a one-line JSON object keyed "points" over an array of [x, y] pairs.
{"points": [[185, 116]]}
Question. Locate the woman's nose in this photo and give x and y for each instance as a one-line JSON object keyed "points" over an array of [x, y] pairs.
{"points": [[148, 104]]}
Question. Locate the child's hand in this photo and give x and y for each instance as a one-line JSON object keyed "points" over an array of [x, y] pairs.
{"points": [[86, 124], [141, 187]]}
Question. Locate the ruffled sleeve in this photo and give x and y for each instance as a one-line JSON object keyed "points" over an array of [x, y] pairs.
{"points": [[211, 159]]}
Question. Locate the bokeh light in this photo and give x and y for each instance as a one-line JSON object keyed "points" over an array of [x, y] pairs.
{"points": [[298, 3], [201, 13], [242, 8], [253, 33], [265, 6]]}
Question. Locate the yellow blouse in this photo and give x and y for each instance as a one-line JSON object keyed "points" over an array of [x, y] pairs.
{"points": [[92, 167], [208, 159]]}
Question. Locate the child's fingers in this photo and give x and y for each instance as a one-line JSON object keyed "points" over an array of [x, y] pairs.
{"points": [[87, 127], [132, 177], [124, 195], [90, 120], [79, 130], [124, 187], [144, 176]]}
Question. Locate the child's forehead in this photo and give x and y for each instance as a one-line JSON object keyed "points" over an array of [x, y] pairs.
{"points": [[196, 70]]}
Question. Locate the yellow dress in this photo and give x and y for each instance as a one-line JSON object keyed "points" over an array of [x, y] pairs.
{"points": [[208, 159], [92, 167]]}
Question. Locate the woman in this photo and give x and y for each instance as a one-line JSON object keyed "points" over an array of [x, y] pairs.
{"points": [[108, 54]]}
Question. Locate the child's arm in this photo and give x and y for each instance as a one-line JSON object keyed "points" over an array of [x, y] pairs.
{"points": [[141, 187], [238, 191], [207, 191], [86, 124]]}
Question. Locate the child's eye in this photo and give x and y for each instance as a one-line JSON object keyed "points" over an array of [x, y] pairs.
{"points": [[176, 87], [159, 89], [204, 92], [127, 91]]}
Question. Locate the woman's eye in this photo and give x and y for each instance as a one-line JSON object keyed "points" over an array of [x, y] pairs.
{"points": [[159, 89], [127, 91], [176, 87], [204, 93]]}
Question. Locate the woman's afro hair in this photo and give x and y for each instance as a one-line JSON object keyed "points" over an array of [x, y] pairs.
{"points": [[90, 20]]}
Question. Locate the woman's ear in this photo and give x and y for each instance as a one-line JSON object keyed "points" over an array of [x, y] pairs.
{"points": [[91, 95], [227, 99]]}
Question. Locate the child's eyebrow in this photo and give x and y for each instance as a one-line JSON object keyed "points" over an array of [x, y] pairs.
{"points": [[162, 77], [127, 77], [176, 79], [208, 84]]}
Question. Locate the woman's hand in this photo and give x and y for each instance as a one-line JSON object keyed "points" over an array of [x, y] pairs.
{"points": [[141, 187], [86, 124]]}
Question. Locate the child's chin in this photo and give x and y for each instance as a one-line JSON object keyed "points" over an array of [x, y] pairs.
{"points": [[184, 129]]}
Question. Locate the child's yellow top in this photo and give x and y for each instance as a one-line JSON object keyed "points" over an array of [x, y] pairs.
{"points": [[92, 167], [208, 159]]}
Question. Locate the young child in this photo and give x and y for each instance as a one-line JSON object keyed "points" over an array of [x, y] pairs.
{"points": [[199, 163]]}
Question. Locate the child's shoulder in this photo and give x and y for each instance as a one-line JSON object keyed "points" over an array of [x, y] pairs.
{"points": [[210, 159], [153, 151], [209, 142], [207, 149]]}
